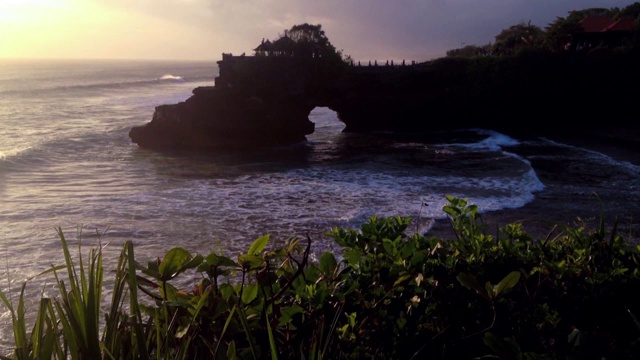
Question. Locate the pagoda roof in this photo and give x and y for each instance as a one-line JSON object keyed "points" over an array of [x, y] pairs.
{"points": [[285, 43], [264, 46]]}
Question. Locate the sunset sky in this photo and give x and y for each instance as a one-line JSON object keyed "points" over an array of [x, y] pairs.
{"points": [[203, 29]]}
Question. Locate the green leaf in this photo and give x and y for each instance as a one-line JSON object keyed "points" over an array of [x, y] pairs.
{"points": [[272, 341], [173, 263], [507, 283], [214, 259], [288, 313], [328, 264], [249, 292], [401, 279], [197, 260], [231, 351], [182, 331], [250, 261], [389, 246], [470, 282], [226, 290], [258, 245], [401, 322]]}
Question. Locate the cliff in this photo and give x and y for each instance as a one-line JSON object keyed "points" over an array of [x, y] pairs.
{"points": [[265, 100]]}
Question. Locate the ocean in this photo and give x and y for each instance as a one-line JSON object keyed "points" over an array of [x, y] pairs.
{"points": [[66, 161]]}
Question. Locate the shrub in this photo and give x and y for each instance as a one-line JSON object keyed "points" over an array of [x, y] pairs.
{"points": [[390, 294]]}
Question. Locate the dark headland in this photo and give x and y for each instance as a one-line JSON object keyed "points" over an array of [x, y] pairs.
{"points": [[582, 95], [265, 99]]}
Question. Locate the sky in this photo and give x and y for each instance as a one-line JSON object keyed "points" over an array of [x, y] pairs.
{"points": [[416, 30]]}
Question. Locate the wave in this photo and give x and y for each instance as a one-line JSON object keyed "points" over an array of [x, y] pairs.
{"points": [[57, 147], [108, 85], [491, 141], [10, 153], [602, 156], [171, 77]]}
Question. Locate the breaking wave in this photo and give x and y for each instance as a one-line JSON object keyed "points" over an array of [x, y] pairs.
{"points": [[171, 77]]}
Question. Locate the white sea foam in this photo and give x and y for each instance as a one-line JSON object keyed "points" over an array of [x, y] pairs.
{"points": [[494, 141], [71, 162], [8, 153], [171, 77]]}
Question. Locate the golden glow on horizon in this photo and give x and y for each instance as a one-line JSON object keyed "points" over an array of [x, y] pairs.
{"points": [[37, 28], [81, 29]]}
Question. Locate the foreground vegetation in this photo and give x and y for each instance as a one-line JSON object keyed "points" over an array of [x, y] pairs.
{"points": [[387, 295]]}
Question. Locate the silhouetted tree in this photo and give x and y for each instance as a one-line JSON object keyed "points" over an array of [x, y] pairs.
{"points": [[563, 26], [558, 34], [631, 11], [311, 41], [470, 51], [517, 38]]}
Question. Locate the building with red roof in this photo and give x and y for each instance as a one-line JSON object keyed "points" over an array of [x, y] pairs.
{"points": [[603, 31]]}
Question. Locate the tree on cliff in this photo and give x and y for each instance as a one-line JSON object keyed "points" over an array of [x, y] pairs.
{"points": [[517, 38], [310, 41], [559, 33], [470, 51], [631, 11]]}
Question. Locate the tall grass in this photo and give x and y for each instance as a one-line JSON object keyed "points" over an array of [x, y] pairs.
{"points": [[391, 295], [70, 325]]}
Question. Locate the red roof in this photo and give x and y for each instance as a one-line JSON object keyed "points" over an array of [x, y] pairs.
{"points": [[603, 23], [622, 25]]}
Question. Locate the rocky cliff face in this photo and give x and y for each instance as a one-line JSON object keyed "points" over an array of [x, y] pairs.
{"points": [[217, 119], [266, 101], [255, 103]]}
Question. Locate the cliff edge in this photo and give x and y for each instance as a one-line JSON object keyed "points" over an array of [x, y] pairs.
{"points": [[265, 100]]}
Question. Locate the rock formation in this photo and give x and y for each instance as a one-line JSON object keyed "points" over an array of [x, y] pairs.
{"points": [[262, 101]]}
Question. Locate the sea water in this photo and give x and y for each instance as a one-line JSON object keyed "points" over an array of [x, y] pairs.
{"points": [[66, 161]]}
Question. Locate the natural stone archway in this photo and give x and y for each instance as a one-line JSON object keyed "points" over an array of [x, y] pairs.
{"points": [[263, 101], [215, 118], [326, 121]]}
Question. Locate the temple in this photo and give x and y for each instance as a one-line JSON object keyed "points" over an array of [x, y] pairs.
{"points": [[265, 99]]}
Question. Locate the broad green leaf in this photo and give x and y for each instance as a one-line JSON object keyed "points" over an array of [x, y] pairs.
{"points": [[401, 279], [401, 322], [182, 331], [507, 283], [216, 260], [288, 313], [197, 260], [388, 246], [258, 245], [451, 210], [328, 264], [249, 292], [469, 281], [489, 291], [226, 290], [173, 263], [231, 351], [250, 261]]}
